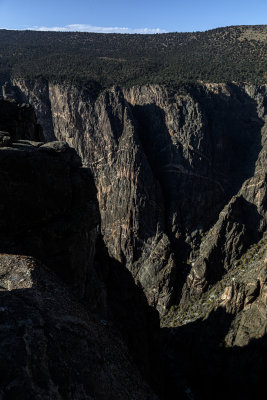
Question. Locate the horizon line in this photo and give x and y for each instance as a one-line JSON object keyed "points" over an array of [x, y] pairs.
{"points": [[116, 30]]}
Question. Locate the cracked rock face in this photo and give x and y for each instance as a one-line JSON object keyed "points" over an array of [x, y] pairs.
{"points": [[166, 162]]}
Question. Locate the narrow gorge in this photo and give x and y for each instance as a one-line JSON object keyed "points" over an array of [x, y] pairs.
{"points": [[166, 163], [180, 177]]}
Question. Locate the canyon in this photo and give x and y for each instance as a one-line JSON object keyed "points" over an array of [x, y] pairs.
{"points": [[149, 204]]}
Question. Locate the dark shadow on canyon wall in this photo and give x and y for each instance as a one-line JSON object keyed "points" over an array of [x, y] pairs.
{"points": [[234, 128], [231, 142], [197, 362], [200, 173], [126, 306], [195, 185]]}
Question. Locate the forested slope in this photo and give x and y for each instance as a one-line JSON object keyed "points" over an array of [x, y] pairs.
{"points": [[97, 60]]}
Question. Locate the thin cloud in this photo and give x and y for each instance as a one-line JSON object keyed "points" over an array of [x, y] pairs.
{"points": [[96, 29]]}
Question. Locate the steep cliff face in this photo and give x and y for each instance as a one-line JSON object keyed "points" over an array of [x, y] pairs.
{"points": [[79, 326], [166, 162], [105, 135]]}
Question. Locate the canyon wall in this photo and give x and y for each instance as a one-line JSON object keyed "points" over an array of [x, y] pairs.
{"points": [[180, 179], [171, 167]]}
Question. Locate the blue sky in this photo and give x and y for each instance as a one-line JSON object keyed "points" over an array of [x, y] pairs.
{"points": [[143, 16]]}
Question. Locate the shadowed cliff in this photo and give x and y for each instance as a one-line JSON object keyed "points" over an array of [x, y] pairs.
{"points": [[49, 211], [199, 362]]}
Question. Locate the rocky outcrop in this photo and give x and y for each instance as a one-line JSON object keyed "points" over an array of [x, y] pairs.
{"points": [[246, 298], [49, 211], [55, 219], [51, 348], [239, 225], [166, 162], [19, 121]]}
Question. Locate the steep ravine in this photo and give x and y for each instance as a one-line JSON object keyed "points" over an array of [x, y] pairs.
{"points": [[181, 184], [166, 162]]}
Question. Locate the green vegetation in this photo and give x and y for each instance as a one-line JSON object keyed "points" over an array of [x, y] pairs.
{"points": [[103, 60]]}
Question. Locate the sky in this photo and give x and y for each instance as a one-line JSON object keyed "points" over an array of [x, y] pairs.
{"points": [[135, 16]]}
